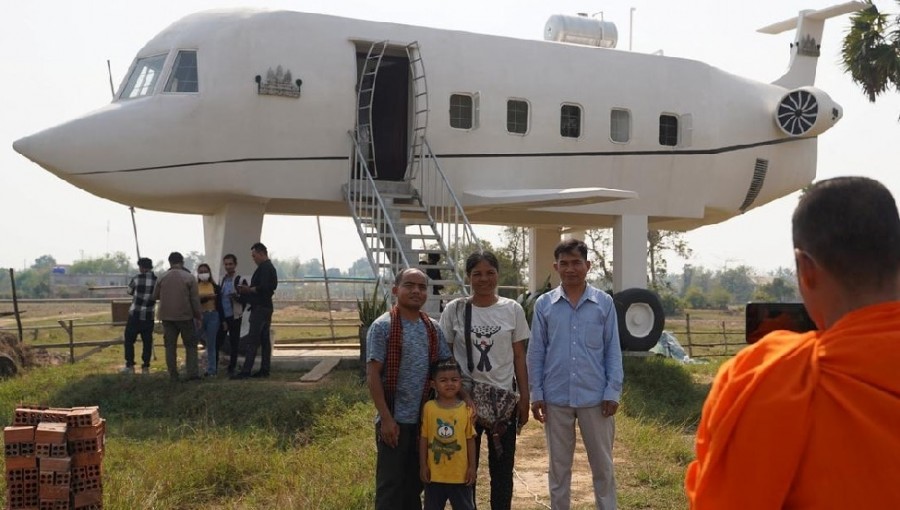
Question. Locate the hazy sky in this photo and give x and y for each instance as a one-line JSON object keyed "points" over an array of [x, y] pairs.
{"points": [[54, 68]]}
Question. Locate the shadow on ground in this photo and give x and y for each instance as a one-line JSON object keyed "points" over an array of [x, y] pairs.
{"points": [[662, 390], [142, 407]]}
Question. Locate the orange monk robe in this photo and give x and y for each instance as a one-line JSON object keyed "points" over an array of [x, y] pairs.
{"points": [[807, 420]]}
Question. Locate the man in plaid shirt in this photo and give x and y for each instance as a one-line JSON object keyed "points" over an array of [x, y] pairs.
{"points": [[140, 316]]}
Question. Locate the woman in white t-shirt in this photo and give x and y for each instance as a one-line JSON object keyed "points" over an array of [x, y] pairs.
{"points": [[498, 334]]}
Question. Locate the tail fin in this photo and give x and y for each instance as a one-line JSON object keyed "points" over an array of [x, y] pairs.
{"points": [[805, 48]]}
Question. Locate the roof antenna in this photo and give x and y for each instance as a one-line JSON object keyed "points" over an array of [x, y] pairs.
{"points": [[112, 89]]}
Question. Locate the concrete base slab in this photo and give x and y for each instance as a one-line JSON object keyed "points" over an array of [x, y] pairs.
{"points": [[289, 360], [322, 369]]}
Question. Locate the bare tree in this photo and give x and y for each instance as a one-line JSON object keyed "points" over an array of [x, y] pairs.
{"points": [[516, 248], [599, 243], [658, 242]]}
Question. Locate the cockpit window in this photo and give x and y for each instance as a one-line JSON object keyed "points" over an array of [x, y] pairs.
{"points": [[184, 73], [143, 77]]}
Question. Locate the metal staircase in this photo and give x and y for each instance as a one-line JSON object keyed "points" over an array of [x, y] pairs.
{"points": [[365, 96], [401, 223]]}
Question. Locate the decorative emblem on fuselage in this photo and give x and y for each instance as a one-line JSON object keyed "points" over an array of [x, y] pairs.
{"points": [[278, 83], [808, 47]]}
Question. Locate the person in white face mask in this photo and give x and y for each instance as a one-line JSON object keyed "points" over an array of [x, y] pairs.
{"points": [[212, 315]]}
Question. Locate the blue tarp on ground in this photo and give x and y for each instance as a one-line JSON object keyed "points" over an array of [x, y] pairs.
{"points": [[669, 347]]}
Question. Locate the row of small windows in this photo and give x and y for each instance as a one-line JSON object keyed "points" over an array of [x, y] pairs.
{"points": [[463, 107]]}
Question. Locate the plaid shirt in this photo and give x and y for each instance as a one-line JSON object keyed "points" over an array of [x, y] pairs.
{"points": [[141, 287]]}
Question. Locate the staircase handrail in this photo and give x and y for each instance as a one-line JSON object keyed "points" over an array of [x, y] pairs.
{"points": [[363, 179], [455, 233], [465, 219]]}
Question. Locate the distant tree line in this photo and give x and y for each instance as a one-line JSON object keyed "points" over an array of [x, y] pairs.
{"points": [[696, 287]]}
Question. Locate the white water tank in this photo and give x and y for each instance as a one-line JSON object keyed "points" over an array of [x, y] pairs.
{"points": [[581, 30]]}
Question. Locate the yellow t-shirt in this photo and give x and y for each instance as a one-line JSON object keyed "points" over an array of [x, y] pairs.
{"points": [[207, 290], [446, 430]]}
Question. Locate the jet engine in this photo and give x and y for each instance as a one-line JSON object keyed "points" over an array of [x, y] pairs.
{"points": [[806, 111]]}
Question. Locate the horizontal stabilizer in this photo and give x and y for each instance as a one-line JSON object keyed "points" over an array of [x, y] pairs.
{"points": [[532, 198], [819, 15]]}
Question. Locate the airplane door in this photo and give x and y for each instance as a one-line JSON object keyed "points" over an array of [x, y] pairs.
{"points": [[390, 108]]}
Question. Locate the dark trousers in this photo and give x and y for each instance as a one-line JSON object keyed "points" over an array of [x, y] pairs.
{"points": [[233, 338], [500, 465], [397, 483], [133, 327], [259, 336], [171, 330], [460, 496]]}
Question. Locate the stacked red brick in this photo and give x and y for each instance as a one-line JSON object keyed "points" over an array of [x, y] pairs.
{"points": [[54, 459]]}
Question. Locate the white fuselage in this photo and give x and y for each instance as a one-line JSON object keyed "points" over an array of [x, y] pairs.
{"points": [[226, 144]]}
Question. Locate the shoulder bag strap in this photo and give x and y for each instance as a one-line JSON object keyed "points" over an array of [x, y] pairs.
{"points": [[468, 329]]}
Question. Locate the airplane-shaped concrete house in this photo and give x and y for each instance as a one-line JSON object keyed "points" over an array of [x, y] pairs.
{"points": [[417, 132]]}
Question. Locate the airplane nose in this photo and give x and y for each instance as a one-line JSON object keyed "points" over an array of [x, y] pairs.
{"points": [[54, 149], [27, 147], [86, 144]]}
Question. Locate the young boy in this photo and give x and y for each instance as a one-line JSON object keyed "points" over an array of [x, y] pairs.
{"points": [[447, 443]]}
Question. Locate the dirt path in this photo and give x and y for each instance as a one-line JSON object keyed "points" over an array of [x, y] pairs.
{"points": [[530, 484]]}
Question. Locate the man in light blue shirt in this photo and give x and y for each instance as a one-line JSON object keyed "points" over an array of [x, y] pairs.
{"points": [[575, 373]]}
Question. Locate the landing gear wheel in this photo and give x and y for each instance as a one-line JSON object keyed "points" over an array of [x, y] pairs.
{"points": [[641, 319]]}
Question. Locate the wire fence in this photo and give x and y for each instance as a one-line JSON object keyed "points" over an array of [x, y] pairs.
{"points": [[309, 322], [709, 337]]}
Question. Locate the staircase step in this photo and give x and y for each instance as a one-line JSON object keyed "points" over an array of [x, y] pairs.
{"points": [[408, 208], [403, 236], [400, 196], [442, 267]]}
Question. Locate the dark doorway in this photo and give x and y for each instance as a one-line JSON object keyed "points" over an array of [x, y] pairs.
{"points": [[390, 107]]}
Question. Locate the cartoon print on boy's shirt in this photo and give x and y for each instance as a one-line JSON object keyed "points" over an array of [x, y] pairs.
{"points": [[483, 342], [440, 445]]}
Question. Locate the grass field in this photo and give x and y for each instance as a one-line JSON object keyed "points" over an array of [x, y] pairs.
{"points": [[221, 444]]}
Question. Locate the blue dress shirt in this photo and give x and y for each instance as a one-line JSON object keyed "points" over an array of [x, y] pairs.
{"points": [[574, 356]]}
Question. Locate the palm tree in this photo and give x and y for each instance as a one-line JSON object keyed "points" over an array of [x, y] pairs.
{"points": [[871, 51]]}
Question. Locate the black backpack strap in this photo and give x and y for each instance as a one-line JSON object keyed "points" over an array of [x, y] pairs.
{"points": [[468, 329]]}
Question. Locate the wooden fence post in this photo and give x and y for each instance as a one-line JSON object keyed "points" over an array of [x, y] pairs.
{"points": [[71, 331], [690, 343], [725, 338], [12, 281]]}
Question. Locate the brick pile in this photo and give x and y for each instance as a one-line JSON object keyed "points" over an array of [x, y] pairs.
{"points": [[54, 459]]}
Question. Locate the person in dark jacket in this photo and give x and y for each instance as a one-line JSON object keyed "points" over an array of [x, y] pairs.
{"points": [[259, 297]]}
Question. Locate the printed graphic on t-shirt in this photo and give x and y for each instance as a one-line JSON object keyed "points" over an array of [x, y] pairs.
{"points": [[483, 342], [444, 443]]}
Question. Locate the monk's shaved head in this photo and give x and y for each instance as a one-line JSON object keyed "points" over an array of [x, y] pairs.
{"points": [[850, 226]]}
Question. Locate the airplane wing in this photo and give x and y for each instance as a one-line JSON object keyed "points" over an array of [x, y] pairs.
{"points": [[535, 198]]}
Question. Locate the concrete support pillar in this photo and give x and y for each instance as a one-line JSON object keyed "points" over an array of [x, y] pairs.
{"points": [[233, 229], [630, 252], [541, 242]]}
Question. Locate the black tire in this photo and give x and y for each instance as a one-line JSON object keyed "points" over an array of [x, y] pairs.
{"points": [[8, 366], [641, 319]]}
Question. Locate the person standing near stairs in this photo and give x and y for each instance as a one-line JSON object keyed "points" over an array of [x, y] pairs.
{"points": [[140, 316], [436, 305]]}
